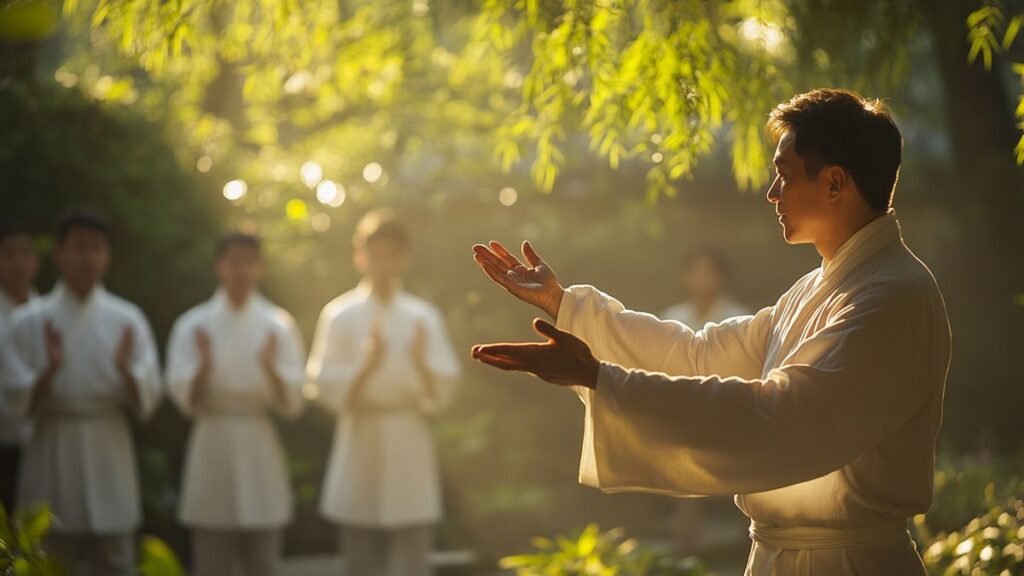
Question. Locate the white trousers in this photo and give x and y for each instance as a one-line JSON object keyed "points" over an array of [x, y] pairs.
{"points": [[386, 552], [93, 554], [236, 552]]}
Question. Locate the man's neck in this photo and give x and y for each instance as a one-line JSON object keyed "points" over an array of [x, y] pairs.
{"points": [[384, 289], [827, 247], [81, 293], [237, 301]]}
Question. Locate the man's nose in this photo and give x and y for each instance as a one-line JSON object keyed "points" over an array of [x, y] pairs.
{"points": [[773, 191]]}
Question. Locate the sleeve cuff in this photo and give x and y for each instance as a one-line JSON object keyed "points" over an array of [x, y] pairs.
{"points": [[567, 310]]}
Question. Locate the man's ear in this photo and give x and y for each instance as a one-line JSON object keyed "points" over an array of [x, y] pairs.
{"points": [[837, 179]]}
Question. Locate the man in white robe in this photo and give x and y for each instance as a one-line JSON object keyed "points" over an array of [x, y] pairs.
{"points": [[820, 413], [232, 362], [381, 360], [89, 360], [18, 267]]}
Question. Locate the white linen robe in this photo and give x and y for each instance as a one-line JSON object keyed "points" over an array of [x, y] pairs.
{"points": [[383, 471], [236, 473], [81, 458], [14, 428], [821, 412]]}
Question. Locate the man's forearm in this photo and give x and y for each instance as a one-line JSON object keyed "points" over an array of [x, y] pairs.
{"points": [[277, 384], [131, 385], [426, 378], [41, 388], [198, 389]]}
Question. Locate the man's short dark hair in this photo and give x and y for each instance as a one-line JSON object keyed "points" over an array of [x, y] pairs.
{"points": [[842, 128], [9, 230], [84, 219], [239, 239], [380, 224]]}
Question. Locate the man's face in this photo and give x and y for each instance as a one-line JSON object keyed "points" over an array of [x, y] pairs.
{"points": [[18, 263], [381, 260], [239, 270], [800, 201], [83, 258]]}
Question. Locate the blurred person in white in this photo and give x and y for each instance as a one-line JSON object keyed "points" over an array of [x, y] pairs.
{"points": [[704, 277], [382, 360], [232, 362], [820, 413], [89, 360], [18, 267]]}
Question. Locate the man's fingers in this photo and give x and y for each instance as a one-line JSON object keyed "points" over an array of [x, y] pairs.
{"points": [[498, 276], [503, 363], [531, 255], [520, 350], [504, 254], [545, 328], [482, 253]]}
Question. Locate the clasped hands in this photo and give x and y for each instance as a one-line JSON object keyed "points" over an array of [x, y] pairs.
{"points": [[564, 359]]}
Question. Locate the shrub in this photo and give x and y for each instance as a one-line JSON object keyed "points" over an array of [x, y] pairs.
{"points": [[600, 553]]}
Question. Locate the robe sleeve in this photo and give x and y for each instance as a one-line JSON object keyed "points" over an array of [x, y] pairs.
{"points": [[23, 369], [442, 363], [145, 367], [290, 365], [334, 362], [15, 377], [734, 347], [182, 364], [845, 389]]}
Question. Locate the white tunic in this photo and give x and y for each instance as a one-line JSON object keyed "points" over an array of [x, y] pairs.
{"points": [[236, 476], [821, 412], [80, 458], [14, 428], [383, 470], [686, 312]]}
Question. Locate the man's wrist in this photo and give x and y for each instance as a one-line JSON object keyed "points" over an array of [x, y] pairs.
{"points": [[556, 303]]}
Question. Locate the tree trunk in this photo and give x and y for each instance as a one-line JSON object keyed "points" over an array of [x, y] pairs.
{"points": [[988, 195]]}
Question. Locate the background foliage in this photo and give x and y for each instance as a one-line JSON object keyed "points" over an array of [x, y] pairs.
{"points": [[560, 122]]}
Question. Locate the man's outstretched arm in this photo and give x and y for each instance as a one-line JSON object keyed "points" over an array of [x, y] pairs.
{"points": [[630, 339]]}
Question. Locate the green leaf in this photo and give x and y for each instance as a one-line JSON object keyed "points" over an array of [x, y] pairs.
{"points": [[158, 559]]}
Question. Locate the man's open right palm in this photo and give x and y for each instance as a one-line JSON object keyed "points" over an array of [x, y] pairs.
{"points": [[534, 282]]}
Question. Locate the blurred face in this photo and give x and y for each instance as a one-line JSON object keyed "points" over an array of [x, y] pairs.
{"points": [[18, 264], [381, 261], [702, 280], [239, 271], [800, 201], [83, 258]]}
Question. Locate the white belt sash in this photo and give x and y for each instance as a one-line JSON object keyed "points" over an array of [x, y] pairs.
{"points": [[770, 541]]}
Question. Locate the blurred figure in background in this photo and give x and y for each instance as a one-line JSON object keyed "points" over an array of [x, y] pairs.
{"points": [[90, 358], [705, 280], [231, 362], [382, 360], [18, 267]]}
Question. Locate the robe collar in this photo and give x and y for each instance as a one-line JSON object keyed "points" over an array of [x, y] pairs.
{"points": [[7, 303], [866, 242], [221, 302], [63, 295], [365, 289]]}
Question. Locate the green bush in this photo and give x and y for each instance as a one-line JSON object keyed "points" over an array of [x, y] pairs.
{"points": [[22, 553], [989, 545], [601, 554], [21, 537]]}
